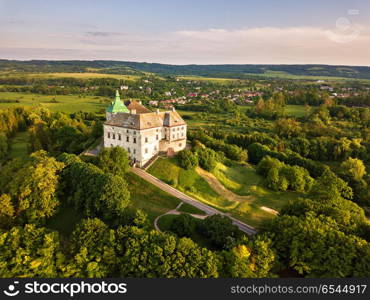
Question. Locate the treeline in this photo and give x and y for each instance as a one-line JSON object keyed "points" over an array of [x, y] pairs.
{"points": [[114, 241]]}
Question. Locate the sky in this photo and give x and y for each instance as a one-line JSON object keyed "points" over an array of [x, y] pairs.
{"points": [[333, 32]]}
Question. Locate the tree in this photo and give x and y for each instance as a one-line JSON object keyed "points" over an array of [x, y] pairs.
{"points": [[183, 225], [220, 231], [187, 159], [152, 254], [34, 188], [288, 128], [207, 158], [353, 169], [6, 211], [92, 251], [113, 160], [30, 251], [329, 187], [97, 194], [4, 147]]}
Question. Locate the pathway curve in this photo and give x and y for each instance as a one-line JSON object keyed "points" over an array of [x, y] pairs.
{"points": [[175, 212], [187, 199], [220, 188]]}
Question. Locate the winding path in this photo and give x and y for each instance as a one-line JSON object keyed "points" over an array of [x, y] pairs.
{"points": [[187, 199]]}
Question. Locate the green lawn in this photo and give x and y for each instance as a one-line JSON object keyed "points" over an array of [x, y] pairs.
{"points": [[295, 110], [242, 180], [149, 198], [62, 103], [19, 145], [187, 208], [190, 182]]}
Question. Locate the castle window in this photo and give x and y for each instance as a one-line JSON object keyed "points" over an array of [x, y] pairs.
{"points": [[156, 137], [114, 136], [146, 140], [155, 148], [134, 151], [119, 136], [134, 140], [182, 134], [173, 136], [146, 150], [178, 135], [180, 145], [129, 150], [108, 135], [128, 131], [127, 138], [134, 132]]}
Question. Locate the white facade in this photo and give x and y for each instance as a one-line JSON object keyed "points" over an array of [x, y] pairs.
{"points": [[143, 144]]}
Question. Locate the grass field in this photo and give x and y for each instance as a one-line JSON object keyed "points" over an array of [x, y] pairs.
{"points": [[19, 145], [63, 103], [242, 180], [81, 75], [295, 110], [212, 79], [150, 199], [190, 182]]}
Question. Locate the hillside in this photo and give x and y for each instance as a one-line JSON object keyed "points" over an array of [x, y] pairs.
{"points": [[225, 71]]}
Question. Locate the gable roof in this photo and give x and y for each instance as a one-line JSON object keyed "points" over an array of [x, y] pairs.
{"points": [[134, 105]]}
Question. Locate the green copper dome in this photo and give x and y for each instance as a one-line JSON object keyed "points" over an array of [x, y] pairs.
{"points": [[117, 106]]}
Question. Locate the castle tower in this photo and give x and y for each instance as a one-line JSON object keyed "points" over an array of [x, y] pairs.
{"points": [[117, 106]]}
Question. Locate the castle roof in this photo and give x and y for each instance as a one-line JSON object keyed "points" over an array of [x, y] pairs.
{"points": [[138, 107], [117, 106], [146, 120]]}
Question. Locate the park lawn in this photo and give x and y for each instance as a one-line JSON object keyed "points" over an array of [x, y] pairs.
{"points": [[148, 197], [236, 177], [19, 145], [63, 103], [189, 209], [295, 110], [189, 182]]}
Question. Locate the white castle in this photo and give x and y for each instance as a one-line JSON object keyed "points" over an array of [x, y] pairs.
{"points": [[141, 132]]}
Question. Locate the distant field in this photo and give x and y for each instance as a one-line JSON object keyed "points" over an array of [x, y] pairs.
{"points": [[63, 103], [284, 75], [200, 78], [73, 75]]}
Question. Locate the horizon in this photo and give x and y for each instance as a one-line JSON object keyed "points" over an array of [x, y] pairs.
{"points": [[188, 32], [189, 64]]}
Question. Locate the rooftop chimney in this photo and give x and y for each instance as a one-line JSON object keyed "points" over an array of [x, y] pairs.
{"points": [[157, 111], [140, 102], [133, 111]]}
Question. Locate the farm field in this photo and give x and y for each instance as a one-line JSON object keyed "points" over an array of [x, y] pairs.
{"points": [[81, 75], [62, 103]]}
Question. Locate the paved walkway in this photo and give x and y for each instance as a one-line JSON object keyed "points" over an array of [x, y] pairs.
{"points": [[187, 199]]}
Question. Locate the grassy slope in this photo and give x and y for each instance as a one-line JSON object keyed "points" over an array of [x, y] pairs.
{"points": [[189, 182], [149, 199], [65, 103], [242, 180]]}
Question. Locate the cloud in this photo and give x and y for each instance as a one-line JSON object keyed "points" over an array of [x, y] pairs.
{"points": [[102, 33], [345, 45]]}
